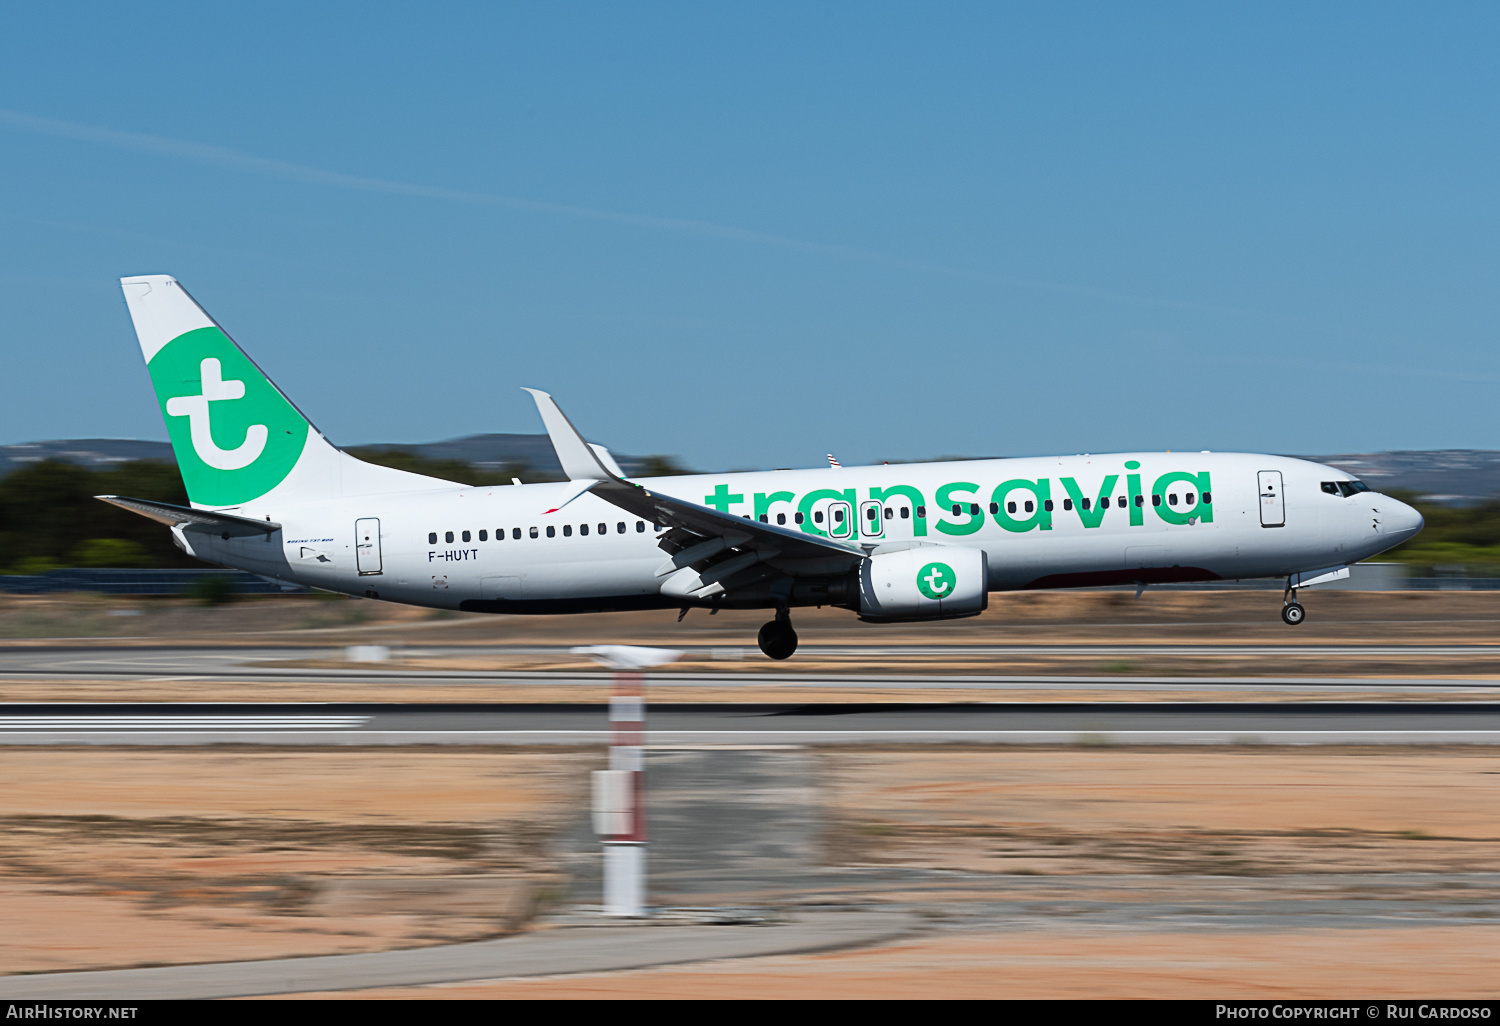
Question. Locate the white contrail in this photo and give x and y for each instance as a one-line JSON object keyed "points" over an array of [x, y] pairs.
{"points": [[141, 142]]}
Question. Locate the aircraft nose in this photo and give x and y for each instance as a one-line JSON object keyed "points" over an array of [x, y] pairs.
{"points": [[1399, 520]]}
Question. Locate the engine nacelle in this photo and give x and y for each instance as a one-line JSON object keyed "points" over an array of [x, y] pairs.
{"points": [[927, 582]]}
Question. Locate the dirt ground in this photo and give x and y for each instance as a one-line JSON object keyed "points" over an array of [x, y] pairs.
{"points": [[1453, 963], [118, 857]]}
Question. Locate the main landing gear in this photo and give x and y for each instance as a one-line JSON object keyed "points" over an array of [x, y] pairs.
{"points": [[1292, 612], [777, 639]]}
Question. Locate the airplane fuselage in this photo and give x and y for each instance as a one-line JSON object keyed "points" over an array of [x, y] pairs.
{"points": [[1043, 522]]}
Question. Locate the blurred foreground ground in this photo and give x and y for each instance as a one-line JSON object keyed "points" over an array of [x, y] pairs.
{"points": [[1239, 871], [1112, 635]]}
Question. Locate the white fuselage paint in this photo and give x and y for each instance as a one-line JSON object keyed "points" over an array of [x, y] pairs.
{"points": [[317, 545]]}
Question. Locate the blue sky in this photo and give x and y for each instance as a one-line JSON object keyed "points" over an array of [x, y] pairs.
{"points": [[753, 234]]}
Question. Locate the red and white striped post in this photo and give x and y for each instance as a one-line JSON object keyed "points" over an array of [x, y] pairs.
{"points": [[620, 791], [625, 846]]}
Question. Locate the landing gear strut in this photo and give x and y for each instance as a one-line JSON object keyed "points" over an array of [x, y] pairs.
{"points": [[1292, 612], [777, 639]]}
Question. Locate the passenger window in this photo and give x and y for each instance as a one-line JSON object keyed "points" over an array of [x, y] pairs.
{"points": [[640, 527], [1171, 498], [957, 510], [1120, 502], [533, 532], [798, 518], [432, 538], [1188, 498], [515, 532], [921, 512], [1029, 506], [765, 518], [870, 514], [889, 513], [1084, 503], [1010, 507], [905, 513], [818, 517], [1140, 500], [620, 527], [994, 508], [1104, 503], [448, 537], [1156, 500], [1207, 497], [838, 516], [567, 530], [1067, 504], [781, 518], [1047, 505], [583, 530], [973, 509], [484, 536], [466, 536], [551, 531]]}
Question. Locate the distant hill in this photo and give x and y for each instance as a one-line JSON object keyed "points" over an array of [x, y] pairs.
{"points": [[483, 452], [95, 453], [1452, 477], [1447, 476]]}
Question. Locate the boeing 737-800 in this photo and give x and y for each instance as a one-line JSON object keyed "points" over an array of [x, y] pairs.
{"points": [[910, 542]]}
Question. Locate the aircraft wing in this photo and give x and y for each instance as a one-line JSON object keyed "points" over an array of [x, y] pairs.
{"points": [[697, 530], [181, 516]]}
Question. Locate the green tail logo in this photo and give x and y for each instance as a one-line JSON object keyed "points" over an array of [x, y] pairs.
{"points": [[236, 437]]}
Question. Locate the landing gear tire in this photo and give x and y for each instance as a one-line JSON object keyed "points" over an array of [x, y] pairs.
{"points": [[1293, 614], [777, 639]]}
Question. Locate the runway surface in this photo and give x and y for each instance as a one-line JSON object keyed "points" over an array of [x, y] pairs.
{"points": [[177, 664], [696, 724], [545, 953]]}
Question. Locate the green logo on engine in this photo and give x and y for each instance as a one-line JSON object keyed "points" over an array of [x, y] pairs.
{"points": [[236, 437], [936, 580]]}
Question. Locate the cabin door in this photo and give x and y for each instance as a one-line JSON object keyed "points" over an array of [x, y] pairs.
{"points": [[367, 546], [1272, 504]]}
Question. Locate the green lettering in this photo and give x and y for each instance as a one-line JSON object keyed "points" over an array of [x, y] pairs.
{"points": [[721, 500], [1090, 517], [1137, 513], [763, 501], [817, 495], [1041, 492], [1180, 515], [918, 524], [945, 505]]}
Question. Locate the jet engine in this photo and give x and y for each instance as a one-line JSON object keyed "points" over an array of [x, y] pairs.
{"points": [[927, 582]]}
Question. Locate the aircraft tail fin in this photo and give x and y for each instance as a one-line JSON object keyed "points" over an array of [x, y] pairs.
{"points": [[238, 439]]}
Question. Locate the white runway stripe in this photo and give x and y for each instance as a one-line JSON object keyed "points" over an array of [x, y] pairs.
{"points": [[182, 722]]}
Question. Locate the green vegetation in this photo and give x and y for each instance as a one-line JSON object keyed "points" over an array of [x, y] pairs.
{"points": [[1467, 536], [50, 518]]}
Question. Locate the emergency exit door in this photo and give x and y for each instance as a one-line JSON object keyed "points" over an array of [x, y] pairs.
{"points": [[367, 546], [1272, 504]]}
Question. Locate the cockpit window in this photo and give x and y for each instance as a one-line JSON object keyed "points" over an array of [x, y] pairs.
{"points": [[1345, 488]]}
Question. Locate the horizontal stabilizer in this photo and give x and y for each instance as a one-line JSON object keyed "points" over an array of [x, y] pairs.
{"points": [[181, 516]]}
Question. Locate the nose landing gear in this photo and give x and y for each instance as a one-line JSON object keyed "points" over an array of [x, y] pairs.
{"points": [[777, 639], [1292, 612]]}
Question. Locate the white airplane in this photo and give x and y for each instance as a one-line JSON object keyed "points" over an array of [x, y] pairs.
{"points": [[893, 544]]}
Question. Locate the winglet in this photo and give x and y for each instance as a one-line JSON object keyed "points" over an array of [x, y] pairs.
{"points": [[579, 460]]}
